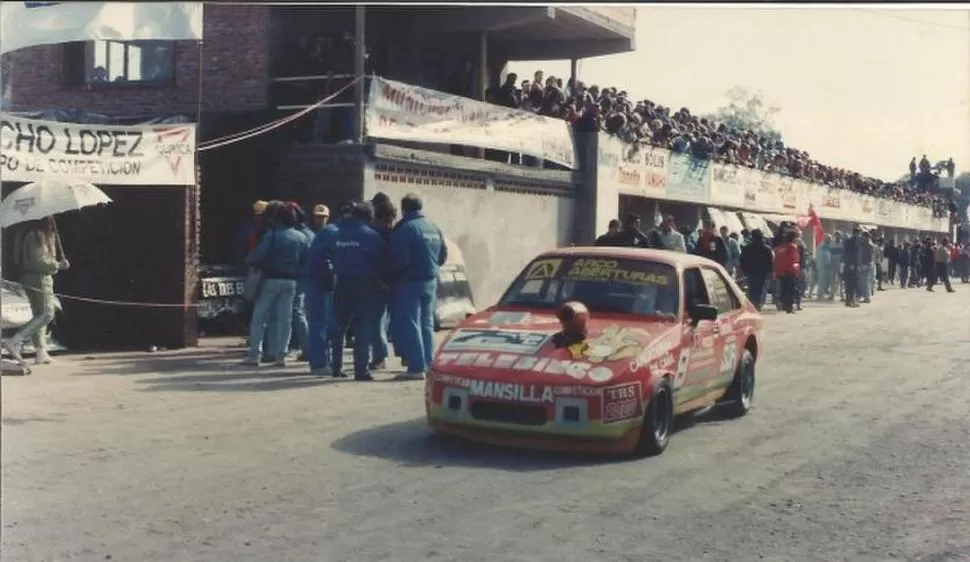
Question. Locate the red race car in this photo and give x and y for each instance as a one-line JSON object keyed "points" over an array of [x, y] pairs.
{"points": [[597, 349]]}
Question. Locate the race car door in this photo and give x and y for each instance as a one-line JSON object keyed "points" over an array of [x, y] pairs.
{"points": [[699, 360], [726, 341]]}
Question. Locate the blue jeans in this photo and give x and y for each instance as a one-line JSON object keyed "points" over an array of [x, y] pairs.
{"points": [[864, 281], [379, 343], [300, 327], [272, 317], [319, 306], [354, 302], [412, 311]]}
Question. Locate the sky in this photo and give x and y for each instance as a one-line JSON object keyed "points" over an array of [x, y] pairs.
{"points": [[864, 89]]}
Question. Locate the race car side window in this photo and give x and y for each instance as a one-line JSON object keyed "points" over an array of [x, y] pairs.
{"points": [[721, 296], [695, 292]]}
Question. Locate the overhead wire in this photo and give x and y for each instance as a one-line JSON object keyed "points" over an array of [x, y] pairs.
{"points": [[266, 127]]}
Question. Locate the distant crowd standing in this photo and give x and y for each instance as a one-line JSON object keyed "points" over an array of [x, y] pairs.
{"points": [[365, 272], [593, 109], [851, 267]]}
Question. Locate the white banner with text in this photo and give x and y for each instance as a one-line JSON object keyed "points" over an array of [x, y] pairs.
{"points": [[101, 154], [649, 172], [400, 111]]}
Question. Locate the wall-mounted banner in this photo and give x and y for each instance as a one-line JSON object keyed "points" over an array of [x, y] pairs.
{"points": [[728, 185], [769, 191], [100, 154], [688, 178], [788, 195], [639, 170], [400, 111], [737, 187], [831, 203]]}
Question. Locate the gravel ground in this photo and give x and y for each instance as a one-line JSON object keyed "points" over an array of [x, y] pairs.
{"points": [[858, 449]]}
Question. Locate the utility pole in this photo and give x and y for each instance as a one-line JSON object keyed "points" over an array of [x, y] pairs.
{"points": [[360, 88]]}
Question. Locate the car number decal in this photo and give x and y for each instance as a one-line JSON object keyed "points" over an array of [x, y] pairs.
{"points": [[681, 377], [730, 357]]}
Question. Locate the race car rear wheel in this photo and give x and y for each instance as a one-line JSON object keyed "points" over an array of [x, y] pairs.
{"points": [[658, 421], [740, 396]]}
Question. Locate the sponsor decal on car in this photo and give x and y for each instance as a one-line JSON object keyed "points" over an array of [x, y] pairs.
{"points": [[654, 351], [510, 391], [574, 369], [592, 269], [662, 364], [577, 391], [543, 269], [730, 357], [526, 343], [622, 402], [612, 344], [680, 377]]}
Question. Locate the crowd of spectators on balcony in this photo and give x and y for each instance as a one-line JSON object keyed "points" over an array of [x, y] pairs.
{"points": [[592, 109]]}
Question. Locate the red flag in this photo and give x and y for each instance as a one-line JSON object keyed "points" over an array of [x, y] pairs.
{"points": [[813, 220]]}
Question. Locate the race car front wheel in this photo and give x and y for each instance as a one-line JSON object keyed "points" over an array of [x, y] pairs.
{"points": [[658, 421], [740, 395]]}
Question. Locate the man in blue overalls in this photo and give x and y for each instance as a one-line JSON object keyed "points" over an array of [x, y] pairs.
{"points": [[359, 255], [417, 251], [319, 283]]}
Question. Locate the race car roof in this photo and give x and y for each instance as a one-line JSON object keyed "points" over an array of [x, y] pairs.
{"points": [[676, 259]]}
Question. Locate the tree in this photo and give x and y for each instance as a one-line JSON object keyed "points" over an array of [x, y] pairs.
{"points": [[747, 111]]}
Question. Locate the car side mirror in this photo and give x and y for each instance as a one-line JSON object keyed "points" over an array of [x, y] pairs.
{"points": [[702, 312]]}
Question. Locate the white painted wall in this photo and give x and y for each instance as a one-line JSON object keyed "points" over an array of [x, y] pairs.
{"points": [[498, 232]]}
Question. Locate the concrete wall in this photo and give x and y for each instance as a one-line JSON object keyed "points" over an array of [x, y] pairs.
{"points": [[496, 223], [235, 64]]}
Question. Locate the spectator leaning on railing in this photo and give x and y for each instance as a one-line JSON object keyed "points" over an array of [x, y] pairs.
{"points": [[595, 109]]}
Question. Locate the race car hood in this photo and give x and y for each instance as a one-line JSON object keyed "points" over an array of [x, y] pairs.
{"points": [[517, 346]]}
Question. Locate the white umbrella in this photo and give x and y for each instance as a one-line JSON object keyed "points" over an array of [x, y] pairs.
{"points": [[49, 196]]}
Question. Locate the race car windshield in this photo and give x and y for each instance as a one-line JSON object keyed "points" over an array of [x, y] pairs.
{"points": [[603, 285]]}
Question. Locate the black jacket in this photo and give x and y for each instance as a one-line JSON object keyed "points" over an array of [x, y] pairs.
{"points": [[626, 238], [757, 259]]}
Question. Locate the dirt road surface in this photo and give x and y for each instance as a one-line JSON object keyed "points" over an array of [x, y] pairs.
{"points": [[858, 449]]}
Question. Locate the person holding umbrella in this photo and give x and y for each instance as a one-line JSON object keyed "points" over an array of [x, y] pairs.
{"points": [[39, 254], [38, 259]]}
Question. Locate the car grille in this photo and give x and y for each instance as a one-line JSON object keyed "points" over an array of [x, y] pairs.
{"points": [[508, 413]]}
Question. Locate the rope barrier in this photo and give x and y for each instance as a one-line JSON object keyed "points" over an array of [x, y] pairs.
{"points": [[111, 302], [265, 128]]}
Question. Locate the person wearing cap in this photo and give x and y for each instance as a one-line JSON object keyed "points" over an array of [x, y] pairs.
{"points": [[320, 281], [320, 217], [418, 250], [249, 235]]}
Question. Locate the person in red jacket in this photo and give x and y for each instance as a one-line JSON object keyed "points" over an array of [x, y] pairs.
{"points": [[787, 270]]}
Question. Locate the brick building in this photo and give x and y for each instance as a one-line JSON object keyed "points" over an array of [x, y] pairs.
{"points": [[145, 247]]}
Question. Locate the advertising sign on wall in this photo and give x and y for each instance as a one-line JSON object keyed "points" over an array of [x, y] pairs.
{"points": [[101, 154], [688, 178], [638, 170], [400, 111], [728, 185]]}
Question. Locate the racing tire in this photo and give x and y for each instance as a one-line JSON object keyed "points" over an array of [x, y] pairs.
{"points": [[740, 395], [658, 421]]}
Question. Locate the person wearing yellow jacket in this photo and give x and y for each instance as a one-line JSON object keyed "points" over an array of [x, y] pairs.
{"points": [[38, 261]]}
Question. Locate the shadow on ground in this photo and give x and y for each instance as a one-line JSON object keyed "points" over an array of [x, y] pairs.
{"points": [[413, 443]]}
